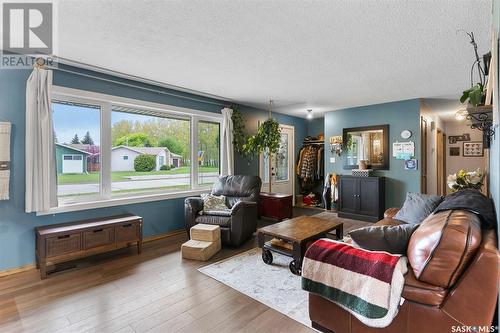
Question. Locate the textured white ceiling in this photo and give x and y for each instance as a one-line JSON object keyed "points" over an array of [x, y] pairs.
{"points": [[322, 55]]}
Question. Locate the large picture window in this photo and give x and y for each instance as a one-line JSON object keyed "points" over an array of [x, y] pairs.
{"points": [[110, 148]]}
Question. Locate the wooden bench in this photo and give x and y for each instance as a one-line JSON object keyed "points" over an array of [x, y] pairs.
{"points": [[68, 241]]}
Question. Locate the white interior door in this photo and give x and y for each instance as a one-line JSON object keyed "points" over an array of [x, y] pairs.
{"points": [[282, 163]]}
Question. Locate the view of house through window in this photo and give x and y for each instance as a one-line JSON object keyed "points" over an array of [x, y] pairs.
{"points": [[149, 153], [77, 147]]}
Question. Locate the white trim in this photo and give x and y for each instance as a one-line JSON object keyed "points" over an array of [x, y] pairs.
{"points": [[105, 151], [121, 201], [77, 94], [106, 102]]}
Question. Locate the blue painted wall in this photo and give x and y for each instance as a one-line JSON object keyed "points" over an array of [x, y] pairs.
{"points": [[17, 227], [399, 115], [494, 177], [316, 126]]}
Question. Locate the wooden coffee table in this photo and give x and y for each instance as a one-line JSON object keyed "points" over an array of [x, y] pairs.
{"points": [[292, 237]]}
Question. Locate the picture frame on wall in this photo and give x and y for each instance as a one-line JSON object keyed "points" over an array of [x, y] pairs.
{"points": [[454, 151], [473, 149], [411, 164]]}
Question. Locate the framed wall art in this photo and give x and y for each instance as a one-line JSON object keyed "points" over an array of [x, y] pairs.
{"points": [[454, 151], [473, 149]]}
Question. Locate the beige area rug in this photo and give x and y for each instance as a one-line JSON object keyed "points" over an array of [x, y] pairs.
{"points": [[273, 285]]}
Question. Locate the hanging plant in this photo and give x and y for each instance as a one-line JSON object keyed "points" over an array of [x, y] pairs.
{"points": [[240, 136], [267, 139], [476, 94]]}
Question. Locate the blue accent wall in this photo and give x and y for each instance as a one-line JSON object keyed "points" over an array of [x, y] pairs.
{"points": [[17, 242], [316, 126], [399, 116]]}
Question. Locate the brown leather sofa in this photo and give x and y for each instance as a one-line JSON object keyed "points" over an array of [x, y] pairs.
{"points": [[452, 280]]}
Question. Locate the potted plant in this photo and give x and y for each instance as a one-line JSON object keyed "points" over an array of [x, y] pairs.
{"points": [[466, 179], [476, 94]]}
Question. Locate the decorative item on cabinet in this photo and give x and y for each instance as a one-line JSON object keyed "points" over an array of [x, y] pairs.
{"points": [[336, 144], [361, 198]]}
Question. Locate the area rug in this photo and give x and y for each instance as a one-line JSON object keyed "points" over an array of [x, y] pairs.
{"points": [[273, 285]]}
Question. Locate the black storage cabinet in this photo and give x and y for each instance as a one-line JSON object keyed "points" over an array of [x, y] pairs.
{"points": [[362, 198]]}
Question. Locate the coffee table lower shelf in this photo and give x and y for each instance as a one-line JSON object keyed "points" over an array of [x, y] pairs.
{"points": [[267, 256]]}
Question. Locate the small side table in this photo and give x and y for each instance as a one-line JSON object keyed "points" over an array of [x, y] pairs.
{"points": [[276, 206]]}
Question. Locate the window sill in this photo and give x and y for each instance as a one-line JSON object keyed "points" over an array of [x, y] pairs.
{"points": [[121, 201]]}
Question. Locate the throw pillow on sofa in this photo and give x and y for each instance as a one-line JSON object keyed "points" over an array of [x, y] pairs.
{"points": [[393, 239], [213, 203], [417, 207]]}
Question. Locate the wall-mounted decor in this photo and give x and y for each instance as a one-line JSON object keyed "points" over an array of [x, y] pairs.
{"points": [[406, 134], [454, 151], [473, 149], [455, 138], [403, 150], [369, 144], [336, 144], [5, 129], [411, 164]]}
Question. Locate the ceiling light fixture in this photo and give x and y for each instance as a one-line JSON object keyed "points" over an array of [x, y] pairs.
{"points": [[461, 115], [309, 113]]}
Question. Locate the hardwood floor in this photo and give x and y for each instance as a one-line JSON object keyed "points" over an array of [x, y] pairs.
{"points": [[124, 292]]}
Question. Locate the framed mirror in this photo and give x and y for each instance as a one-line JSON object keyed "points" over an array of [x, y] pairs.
{"points": [[369, 144]]}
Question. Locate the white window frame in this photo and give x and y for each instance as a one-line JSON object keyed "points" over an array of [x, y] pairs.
{"points": [[105, 102]]}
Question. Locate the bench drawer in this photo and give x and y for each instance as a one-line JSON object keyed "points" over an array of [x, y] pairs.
{"points": [[127, 232], [98, 237], [63, 244]]}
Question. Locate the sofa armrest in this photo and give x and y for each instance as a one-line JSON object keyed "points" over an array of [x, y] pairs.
{"points": [[391, 212], [241, 206], [243, 221], [192, 207], [473, 298]]}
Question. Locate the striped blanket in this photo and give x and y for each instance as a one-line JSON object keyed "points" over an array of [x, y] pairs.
{"points": [[368, 284]]}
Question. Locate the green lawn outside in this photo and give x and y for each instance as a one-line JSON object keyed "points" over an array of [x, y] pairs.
{"points": [[118, 176]]}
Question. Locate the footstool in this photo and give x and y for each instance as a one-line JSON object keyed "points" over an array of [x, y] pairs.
{"points": [[204, 243]]}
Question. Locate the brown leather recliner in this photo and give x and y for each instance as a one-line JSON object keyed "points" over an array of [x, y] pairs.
{"points": [[452, 280]]}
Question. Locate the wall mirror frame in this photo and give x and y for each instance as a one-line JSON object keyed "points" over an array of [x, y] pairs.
{"points": [[376, 150]]}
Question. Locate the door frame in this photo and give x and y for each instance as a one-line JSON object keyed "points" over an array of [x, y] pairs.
{"points": [[441, 162], [291, 162], [423, 143]]}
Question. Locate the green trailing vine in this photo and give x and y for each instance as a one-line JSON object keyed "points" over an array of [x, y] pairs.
{"points": [[267, 138]]}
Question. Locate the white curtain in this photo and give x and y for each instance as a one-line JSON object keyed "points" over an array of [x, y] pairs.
{"points": [[227, 149], [41, 187]]}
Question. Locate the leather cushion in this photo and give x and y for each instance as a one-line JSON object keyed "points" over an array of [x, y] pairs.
{"points": [[238, 186], [421, 292], [223, 221], [390, 238], [443, 245]]}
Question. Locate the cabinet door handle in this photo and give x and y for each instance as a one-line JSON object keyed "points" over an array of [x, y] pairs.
{"points": [[127, 225], [63, 236], [97, 230]]}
